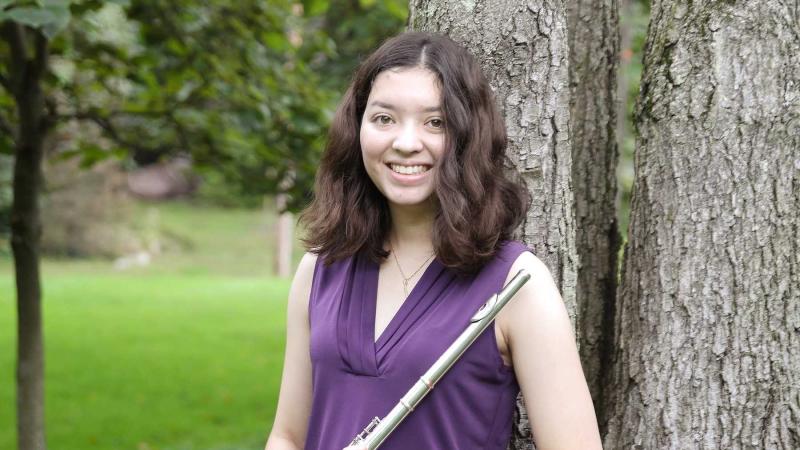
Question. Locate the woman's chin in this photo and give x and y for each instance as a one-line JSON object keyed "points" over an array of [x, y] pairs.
{"points": [[411, 202]]}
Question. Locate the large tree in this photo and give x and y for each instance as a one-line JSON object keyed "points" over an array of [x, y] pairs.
{"points": [[522, 46], [708, 322], [594, 55]]}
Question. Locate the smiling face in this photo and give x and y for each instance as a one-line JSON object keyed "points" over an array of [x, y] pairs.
{"points": [[402, 135]]}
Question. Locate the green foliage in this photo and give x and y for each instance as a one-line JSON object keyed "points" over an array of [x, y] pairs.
{"points": [[635, 19], [228, 83], [90, 155], [217, 190], [246, 88], [357, 28], [50, 16], [315, 7]]}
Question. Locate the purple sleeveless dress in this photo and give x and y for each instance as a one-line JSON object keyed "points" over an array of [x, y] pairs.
{"points": [[356, 378]]}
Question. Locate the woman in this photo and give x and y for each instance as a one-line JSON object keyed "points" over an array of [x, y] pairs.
{"points": [[409, 233]]}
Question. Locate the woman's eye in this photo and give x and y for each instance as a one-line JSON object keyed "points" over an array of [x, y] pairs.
{"points": [[383, 120], [436, 123]]}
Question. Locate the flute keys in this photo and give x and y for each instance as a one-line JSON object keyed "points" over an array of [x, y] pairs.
{"points": [[485, 309]]}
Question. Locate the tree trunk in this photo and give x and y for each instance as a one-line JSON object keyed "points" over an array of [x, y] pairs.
{"points": [[26, 228], [594, 56], [284, 238], [522, 47], [708, 319]]}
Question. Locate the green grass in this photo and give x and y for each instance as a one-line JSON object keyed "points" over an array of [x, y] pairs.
{"points": [[183, 354]]}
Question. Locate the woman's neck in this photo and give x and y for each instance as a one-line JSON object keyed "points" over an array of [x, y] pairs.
{"points": [[412, 229]]}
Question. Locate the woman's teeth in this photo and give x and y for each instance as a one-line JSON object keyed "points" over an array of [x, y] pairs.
{"points": [[408, 170]]}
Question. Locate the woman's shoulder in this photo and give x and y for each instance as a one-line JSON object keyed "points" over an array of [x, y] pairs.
{"points": [[524, 258], [539, 296], [303, 278], [536, 299], [316, 271], [306, 266]]}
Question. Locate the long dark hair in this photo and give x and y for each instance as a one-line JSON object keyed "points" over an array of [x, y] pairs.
{"points": [[478, 205]]}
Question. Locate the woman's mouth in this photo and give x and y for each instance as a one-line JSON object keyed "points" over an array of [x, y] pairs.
{"points": [[408, 170]]}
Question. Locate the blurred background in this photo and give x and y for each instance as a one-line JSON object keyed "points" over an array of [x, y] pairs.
{"points": [[188, 133]]}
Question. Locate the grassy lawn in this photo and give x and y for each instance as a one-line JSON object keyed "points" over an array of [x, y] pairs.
{"points": [[182, 354]]}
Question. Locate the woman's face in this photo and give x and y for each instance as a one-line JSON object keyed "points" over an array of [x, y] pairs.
{"points": [[402, 134]]}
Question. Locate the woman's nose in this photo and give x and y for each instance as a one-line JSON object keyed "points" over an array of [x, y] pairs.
{"points": [[408, 139]]}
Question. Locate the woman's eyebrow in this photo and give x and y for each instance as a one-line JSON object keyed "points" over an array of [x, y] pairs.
{"points": [[385, 105]]}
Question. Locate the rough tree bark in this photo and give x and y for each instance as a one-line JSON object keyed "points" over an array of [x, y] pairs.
{"points": [[594, 55], [522, 47], [708, 314], [24, 83]]}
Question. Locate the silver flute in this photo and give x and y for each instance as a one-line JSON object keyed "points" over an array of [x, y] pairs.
{"points": [[379, 429]]}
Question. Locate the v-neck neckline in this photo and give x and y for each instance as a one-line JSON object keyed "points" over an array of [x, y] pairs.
{"points": [[360, 351], [356, 285], [411, 301]]}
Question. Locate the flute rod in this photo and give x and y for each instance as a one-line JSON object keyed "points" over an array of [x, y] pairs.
{"points": [[379, 429]]}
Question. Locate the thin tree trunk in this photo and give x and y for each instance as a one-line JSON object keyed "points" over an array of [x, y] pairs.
{"points": [[26, 228], [284, 238], [709, 319], [594, 56], [522, 47]]}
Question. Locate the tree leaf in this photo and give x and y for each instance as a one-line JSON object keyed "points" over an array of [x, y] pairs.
{"points": [[89, 154], [61, 18], [315, 7], [277, 41], [6, 148], [48, 4], [398, 8], [52, 17], [34, 17], [78, 9]]}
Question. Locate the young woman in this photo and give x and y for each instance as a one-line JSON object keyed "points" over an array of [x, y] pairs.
{"points": [[409, 234]]}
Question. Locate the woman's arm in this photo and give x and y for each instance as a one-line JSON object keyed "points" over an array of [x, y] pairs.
{"points": [[541, 341], [294, 402]]}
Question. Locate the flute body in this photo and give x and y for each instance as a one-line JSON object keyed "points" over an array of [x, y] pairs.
{"points": [[379, 429]]}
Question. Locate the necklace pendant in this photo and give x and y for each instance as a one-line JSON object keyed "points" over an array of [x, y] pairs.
{"points": [[403, 275]]}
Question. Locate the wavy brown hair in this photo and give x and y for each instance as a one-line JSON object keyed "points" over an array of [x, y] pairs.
{"points": [[479, 206]]}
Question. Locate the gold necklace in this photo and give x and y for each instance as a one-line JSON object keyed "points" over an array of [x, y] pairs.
{"points": [[403, 275]]}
